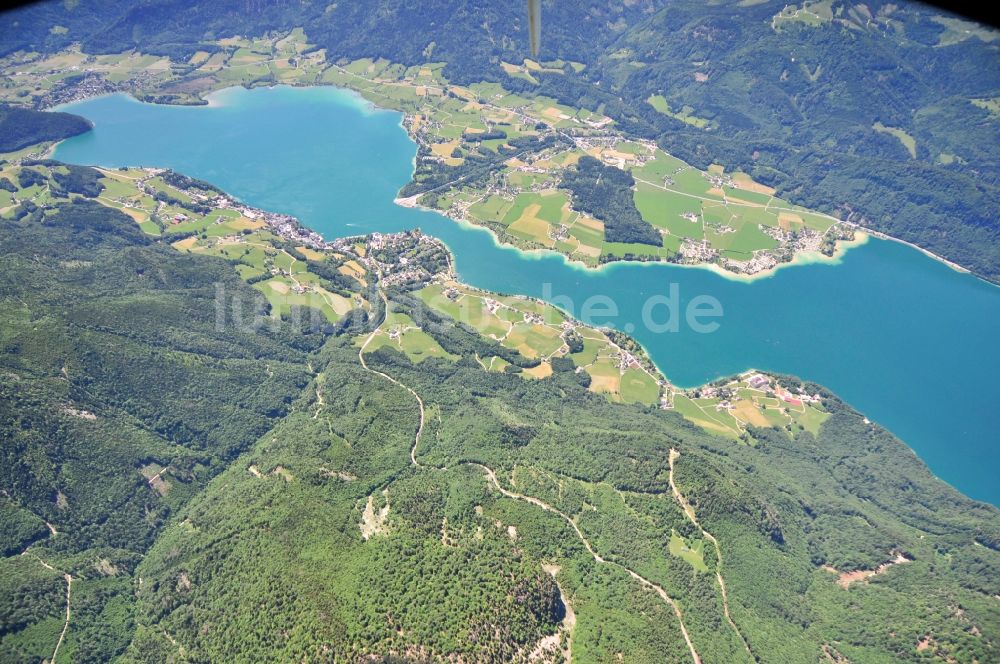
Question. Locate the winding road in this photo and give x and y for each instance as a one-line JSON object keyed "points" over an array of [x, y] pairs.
{"points": [[420, 402], [491, 476], [689, 513], [492, 479], [69, 595]]}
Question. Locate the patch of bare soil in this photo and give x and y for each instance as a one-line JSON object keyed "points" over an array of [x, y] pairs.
{"points": [[372, 521], [159, 485], [845, 579], [76, 412], [833, 656], [283, 473], [337, 474], [105, 567], [549, 648]]}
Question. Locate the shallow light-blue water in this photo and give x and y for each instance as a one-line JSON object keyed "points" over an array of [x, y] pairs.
{"points": [[903, 338]]}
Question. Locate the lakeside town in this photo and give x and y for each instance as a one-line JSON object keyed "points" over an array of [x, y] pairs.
{"points": [[195, 216], [722, 219], [526, 182]]}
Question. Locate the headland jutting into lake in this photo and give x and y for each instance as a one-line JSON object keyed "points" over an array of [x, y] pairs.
{"points": [[923, 333]]}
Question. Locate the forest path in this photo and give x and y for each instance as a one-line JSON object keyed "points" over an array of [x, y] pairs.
{"points": [[692, 517], [420, 402], [492, 479], [69, 596], [62, 634]]}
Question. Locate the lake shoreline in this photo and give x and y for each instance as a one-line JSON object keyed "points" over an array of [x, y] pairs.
{"points": [[927, 252], [801, 258], [212, 100], [881, 309]]}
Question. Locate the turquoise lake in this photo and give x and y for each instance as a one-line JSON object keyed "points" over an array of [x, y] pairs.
{"points": [[905, 339]]}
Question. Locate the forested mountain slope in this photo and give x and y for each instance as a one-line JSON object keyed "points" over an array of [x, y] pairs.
{"points": [[119, 399], [22, 127], [269, 492], [884, 112]]}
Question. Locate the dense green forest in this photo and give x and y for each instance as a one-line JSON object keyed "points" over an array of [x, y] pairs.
{"points": [[253, 492], [113, 365], [605, 192], [21, 127], [883, 113]]}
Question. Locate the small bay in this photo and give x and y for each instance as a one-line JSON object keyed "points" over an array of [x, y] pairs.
{"points": [[905, 339]]}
